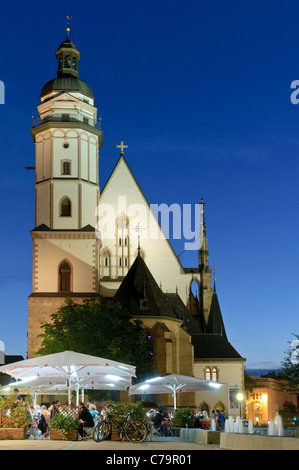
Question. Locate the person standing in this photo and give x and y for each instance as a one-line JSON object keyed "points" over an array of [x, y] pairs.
{"points": [[220, 420]]}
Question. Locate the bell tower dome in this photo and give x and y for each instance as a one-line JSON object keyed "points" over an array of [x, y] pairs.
{"points": [[68, 57], [67, 140]]}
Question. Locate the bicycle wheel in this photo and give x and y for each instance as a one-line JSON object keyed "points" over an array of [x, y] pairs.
{"points": [[101, 431], [136, 431]]}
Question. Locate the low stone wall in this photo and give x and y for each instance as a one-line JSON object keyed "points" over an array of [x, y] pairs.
{"points": [[200, 436], [234, 441]]}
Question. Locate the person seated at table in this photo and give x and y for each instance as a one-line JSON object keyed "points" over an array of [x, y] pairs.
{"points": [[150, 414], [54, 408], [85, 419], [42, 425], [198, 417], [93, 411], [157, 420]]}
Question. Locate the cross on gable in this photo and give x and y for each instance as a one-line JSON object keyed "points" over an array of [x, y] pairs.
{"points": [[121, 146], [138, 229]]}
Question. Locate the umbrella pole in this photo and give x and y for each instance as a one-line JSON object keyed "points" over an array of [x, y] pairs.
{"points": [[77, 393], [174, 398], [69, 388]]}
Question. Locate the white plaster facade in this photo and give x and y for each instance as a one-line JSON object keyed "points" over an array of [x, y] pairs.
{"points": [[122, 199]]}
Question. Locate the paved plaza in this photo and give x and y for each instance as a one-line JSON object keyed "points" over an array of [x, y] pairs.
{"points": [[157, 444]]}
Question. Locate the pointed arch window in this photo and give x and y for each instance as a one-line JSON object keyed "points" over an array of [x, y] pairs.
{"points": [[208, 373], [123, 245], [65, 207], [65, 272], [214, 374], [106, 263]]}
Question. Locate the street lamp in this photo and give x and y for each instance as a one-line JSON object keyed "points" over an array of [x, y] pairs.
{"points": [[240, 398]]}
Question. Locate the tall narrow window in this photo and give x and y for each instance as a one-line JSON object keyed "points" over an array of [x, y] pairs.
{"points": [[66, 167], [214, 374], [106, 263], [65, 209], [65, 277], [208, 373]]}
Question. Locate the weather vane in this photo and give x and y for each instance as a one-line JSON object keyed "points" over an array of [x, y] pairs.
{"points": [[68, 24], [214, 273]]}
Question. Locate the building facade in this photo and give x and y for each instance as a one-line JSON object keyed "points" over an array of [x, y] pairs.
{"points": [[267, 400], [88, 243]]}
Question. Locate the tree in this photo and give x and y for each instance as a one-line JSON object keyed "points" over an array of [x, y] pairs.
{"points": [[101, 328], [249, 383], [288, 376]]}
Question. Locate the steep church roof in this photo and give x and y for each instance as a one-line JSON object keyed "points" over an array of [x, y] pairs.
{"points": [[140, 294], [181, 311], [213, 346], [215, 323]]}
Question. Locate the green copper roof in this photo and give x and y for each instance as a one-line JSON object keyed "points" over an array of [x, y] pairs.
{"points": [[67, 82]]}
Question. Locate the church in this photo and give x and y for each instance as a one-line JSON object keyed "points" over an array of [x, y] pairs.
{"points": [[89, 243]]}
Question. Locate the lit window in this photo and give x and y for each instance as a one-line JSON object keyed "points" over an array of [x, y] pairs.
{"points": [[214, 374], [208, 373]]}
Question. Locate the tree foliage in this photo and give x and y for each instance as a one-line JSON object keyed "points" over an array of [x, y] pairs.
{"points": [[289, 374], [101, 328], [249, 383]]}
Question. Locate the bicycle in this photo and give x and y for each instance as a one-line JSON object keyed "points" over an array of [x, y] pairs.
{"points": [[133, 430]]}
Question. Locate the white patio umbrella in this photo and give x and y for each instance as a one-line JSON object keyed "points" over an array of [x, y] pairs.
{"points": [[67, 364], [103, 382], [174, 384], [108, 382], [34, 386]]}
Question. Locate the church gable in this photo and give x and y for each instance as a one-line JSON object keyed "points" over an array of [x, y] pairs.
{"points": [[122, 197]]}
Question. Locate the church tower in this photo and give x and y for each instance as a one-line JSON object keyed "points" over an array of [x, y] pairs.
{"points": [[199, 303], [67, 141]]}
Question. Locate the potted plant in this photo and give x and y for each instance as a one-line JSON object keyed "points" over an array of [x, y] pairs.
{"points": [[14, 418], [63, 427], [184, 418]]}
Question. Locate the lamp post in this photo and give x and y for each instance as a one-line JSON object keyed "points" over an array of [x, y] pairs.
{"points": [[240, 398]]}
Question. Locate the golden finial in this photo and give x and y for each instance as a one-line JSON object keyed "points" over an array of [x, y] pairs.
{"points": [[68, 25]]}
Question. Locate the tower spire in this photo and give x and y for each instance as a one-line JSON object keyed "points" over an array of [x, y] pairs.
{"points": [[203, 253]]}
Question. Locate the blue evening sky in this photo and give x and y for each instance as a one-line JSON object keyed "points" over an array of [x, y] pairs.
{"points": [[200, 92]]}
